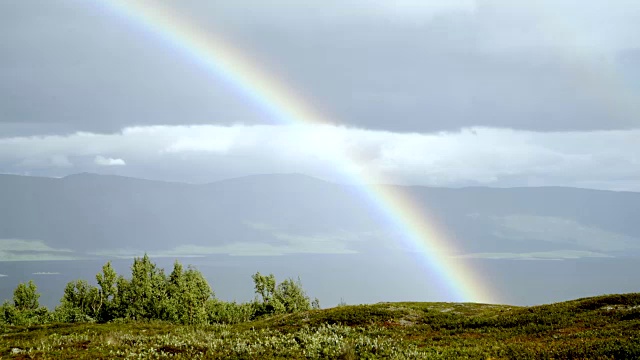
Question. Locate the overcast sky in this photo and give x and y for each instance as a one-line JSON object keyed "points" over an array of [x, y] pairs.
{"points": [[447, 93]]}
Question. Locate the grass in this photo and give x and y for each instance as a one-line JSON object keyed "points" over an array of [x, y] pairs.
{"points": [[604, 327]]}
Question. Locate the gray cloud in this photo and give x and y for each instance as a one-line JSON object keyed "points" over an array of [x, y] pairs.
{"points": [[410, 66]]}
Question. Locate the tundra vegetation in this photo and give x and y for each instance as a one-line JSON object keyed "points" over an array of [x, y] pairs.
{"points": [[152, 315]]}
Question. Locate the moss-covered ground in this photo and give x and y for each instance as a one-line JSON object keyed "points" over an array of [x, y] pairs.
{"points": [[604, 327]]}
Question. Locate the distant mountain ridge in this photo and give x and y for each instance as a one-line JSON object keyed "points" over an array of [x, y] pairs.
{"points": [[102, 215]]}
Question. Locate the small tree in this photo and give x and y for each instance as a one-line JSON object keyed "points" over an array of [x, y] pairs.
{"points": [[286, 297], [25, 296], [146, 292], [291, 295], [265, 286], [121, 302], [174, 291], [188, 293], [82, 298], [194, 297], [107, 282]]}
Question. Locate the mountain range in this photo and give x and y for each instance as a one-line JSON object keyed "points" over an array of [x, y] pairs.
{"points": [[89, 215]]}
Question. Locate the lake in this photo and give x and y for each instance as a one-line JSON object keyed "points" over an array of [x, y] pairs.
{"points": [[356, 278]]}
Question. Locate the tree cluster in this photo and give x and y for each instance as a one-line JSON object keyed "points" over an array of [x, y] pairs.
{"points": [[183, 297]]}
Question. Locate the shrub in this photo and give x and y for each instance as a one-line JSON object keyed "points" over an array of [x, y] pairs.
{"points": [[70, 314], [11, 315], [220, 312]]}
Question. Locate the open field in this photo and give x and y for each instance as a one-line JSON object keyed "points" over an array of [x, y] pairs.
{"points": [[605, 327]]}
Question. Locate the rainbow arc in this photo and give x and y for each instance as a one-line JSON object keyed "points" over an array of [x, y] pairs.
{"points": [[222, 60]]}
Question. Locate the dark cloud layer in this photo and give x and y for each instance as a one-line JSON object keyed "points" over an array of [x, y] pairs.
{"points": [[69, 65]]}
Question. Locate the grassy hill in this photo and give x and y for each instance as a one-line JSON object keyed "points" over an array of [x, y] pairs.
{"points": [[604, 327]]}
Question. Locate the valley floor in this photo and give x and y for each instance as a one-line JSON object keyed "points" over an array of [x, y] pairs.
{"points": [[605, 327]]}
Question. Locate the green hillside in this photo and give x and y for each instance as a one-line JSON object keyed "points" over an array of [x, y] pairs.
{"points": [[604, 327]]}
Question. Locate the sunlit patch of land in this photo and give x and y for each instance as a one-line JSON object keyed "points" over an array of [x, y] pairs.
{"points": [[32, 250], [46, 273], [539, 255], [294, 245], [603, 327], [561, 230]]}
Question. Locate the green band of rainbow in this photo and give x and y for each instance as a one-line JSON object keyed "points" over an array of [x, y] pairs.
{"points": [[225, 62]]}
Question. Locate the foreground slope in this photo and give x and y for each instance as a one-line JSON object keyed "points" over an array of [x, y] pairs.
{"points": [[604, 327]]}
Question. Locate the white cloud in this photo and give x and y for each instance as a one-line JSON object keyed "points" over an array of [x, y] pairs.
{"points": [[472, 156], [104, 161]]}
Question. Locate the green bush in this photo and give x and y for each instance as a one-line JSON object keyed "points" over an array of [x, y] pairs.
{"points": [[220, 312], [70, 314], [25, 309]]}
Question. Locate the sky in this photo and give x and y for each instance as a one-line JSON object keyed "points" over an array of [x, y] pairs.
{"points": [[439, 93]]}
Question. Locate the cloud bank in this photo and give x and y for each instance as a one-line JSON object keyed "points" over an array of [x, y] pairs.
{"points": [[471, 156]]}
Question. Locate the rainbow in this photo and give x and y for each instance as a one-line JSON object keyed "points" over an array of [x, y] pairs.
{"points": [[224, 61]]}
